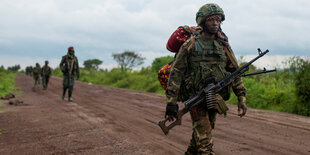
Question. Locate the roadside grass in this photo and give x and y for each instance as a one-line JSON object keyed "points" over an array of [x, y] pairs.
{"points": [[7, 79]]}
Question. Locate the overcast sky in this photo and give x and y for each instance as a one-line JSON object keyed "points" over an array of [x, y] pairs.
{"points": [[36, 30]]}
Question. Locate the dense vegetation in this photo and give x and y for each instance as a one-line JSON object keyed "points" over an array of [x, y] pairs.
{"points": [[6, 81], [287, 90]]}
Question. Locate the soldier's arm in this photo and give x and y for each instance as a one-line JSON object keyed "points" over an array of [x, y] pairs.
{"points": [[42, 71], [238, 87], [177, 73], [50, 71], [61, 65]]}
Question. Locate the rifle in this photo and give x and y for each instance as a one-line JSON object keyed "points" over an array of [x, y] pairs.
{"points": [[213, 86], [259, 72], [69, 68]]}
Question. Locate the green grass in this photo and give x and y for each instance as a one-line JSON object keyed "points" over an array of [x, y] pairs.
{"points": [[266, 92], [7, 80]]}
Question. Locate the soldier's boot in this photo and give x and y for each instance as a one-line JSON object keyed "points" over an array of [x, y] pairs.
{"points": [[189, 153], [191, 150], [70, 94], [64, 93], [70, 99]]}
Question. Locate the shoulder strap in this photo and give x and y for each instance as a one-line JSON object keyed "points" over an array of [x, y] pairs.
{"points": [[231, 56], [71, 67]]}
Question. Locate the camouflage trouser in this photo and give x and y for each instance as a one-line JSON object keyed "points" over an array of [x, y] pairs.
{"points": [[45, 80], [201, 142], [36, 80], [68, 84]]}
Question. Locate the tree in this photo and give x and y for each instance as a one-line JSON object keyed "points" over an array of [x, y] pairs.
{"points": [[128, 59], [14, 68], [160, 62], [92, 64], [301, 67]]}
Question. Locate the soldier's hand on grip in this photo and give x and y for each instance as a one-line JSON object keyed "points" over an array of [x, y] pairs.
{"points": [[242, 106], [171, 111]]}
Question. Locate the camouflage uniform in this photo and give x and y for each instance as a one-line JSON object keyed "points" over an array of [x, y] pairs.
{"points": [[36, 72], [70, 67], [46, 73], [197, 60], [29, 71]]}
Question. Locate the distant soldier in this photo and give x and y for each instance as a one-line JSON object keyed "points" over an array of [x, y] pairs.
{"points": [[27, 70], [46, 73], [70, 67], [36, 72], [30, 70]]}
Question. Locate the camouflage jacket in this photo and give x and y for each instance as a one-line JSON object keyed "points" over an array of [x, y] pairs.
{"points": [[46, 71], [197, 60], [66, 65], [36, 71]]}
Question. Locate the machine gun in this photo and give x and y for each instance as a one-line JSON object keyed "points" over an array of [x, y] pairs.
{"points": [[213, 86]]}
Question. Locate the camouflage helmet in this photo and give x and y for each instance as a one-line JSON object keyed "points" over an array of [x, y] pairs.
{"points": [[208, 10]]}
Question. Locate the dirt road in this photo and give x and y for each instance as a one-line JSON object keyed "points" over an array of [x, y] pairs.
{"points": [[104, 120]]}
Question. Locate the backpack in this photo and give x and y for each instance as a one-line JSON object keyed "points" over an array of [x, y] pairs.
{"points": [[177, 38]]}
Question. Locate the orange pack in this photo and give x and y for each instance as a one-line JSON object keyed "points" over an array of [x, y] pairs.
{"points": [[163, 75]]}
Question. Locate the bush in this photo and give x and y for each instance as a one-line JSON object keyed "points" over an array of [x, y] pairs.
{"points": [[7, 79]]}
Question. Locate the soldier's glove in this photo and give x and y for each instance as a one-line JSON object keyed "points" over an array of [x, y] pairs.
{"points": [[171, 111], [242, 106]]}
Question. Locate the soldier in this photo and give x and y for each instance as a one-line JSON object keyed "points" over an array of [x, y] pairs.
{"points": [[27, 70], [70, 67], [36, 72], [201, 56], [46, 73], [30, 70]]}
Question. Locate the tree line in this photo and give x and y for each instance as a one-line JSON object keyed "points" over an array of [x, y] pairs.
{"points": [[287, 90]]}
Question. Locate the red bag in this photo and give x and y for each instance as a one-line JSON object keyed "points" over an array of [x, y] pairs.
{"points": [[178, 37]]}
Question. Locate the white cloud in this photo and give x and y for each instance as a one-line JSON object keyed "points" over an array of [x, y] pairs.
{"points": [[97, 28]]}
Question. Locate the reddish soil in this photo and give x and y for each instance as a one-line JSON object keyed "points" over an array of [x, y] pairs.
{"points": [[104, 120]]}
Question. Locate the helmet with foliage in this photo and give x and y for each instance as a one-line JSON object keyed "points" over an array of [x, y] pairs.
{"points": [[209, 10]]}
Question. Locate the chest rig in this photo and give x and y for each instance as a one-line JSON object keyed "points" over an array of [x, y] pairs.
{"points": [[206, 59]]}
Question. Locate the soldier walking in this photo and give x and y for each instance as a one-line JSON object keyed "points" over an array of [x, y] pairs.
{"points": [[36, 72], [204, 55], [46, 73], [70, 68]]}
